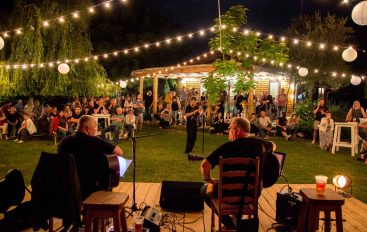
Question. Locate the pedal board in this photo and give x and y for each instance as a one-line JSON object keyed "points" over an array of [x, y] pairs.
{"points": [[152, 219]]}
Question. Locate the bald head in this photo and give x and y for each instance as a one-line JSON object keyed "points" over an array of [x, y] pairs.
{"points": [[87, 125]]}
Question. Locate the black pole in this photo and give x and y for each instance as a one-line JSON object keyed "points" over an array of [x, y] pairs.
{"points": [[133, 140]]}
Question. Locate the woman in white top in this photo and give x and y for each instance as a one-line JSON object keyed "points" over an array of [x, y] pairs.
{"points": [[326, 129], [26, 129]]}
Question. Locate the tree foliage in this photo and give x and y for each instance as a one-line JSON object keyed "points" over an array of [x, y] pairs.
{"points": [[235, 46], [319, 29], [69, 40]]}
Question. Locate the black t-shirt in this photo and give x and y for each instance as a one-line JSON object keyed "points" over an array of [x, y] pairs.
{"points": [[100, 109], [12, 117], [192, 119], [113, 109], [239, 99], [244, 147], [77, 116], [282, 121], [88, 151], [319, 115], [174, 106], [148, 100]]}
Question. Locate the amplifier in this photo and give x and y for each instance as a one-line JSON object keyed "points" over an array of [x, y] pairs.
{"points": [[152, 219], [288, 207]]}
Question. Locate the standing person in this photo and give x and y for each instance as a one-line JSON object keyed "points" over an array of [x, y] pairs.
{"points": [[356, 112], [266, 102], [175, 106], [139, 112], [282, 100], [26, 129], [239, 108], [319, 113], [37, 114], [183, 97], [326, 131], [191, 113], [130, 123], [148, 101], [88, 151], [241, 145]]}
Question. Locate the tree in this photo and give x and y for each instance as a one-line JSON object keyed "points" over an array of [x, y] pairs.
{"points": [[318, 29], [236, 48], [37, 44]]}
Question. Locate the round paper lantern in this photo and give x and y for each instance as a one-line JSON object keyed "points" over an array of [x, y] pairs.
{"points": [[349, 54], [63, 68], [355, 80], [123, 84], [2, 43], [303, 72], [359, 13]]}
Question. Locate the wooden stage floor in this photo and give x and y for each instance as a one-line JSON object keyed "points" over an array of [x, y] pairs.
{"points": [[354, 211]]}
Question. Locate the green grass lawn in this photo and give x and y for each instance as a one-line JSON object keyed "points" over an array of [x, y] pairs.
{"points": [[161, 157]]}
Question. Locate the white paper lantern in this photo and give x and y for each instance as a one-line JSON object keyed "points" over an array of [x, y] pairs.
{"points": [[63, 68], [123, 84], [359, 13], [355, 80], [349, 54], [303, 72], [2, 43]]}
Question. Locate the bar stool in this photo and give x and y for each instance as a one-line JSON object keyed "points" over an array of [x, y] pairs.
{"points": [[103, 204], [314, 203]]}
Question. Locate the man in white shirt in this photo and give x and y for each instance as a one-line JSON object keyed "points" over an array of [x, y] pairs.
{"points": [[26, 129], [265, 125]]}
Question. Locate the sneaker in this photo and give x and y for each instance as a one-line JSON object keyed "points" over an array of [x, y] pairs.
{"points": [[16, 140], [20, 141], [313, 142]]}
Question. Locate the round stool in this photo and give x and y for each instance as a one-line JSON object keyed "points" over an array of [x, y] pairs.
{"points": [[103, 204]]}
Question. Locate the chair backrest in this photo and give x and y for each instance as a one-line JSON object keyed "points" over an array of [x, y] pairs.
{"points": [[12, 190], [235, 174], [56, 187]]}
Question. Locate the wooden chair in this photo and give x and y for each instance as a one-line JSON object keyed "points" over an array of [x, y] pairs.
{"points": [[232, 181]]}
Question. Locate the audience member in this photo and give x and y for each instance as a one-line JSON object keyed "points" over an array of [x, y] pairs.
{"points": [[13, 120], [148, 101], [219, 124], [19, 106], [176, 107], [293, 126], [130, 123], [356, 112], [3, 124], [326, 128], [26, 129], [139, 108], [165, 117], [117, 124], [60, 124], [73, 122], [282, 101], [319, 113], [37, 114], [282, 126], [255, 125], [265, 125]]}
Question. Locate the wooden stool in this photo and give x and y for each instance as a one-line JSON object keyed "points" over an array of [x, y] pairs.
{"points": [[314, 203], [105, 204]]}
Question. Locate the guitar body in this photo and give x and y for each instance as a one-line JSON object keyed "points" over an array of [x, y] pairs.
{"points": [[271, 170], [110, 172]]}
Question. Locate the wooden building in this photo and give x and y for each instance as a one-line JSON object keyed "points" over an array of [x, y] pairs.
{"points": [[190, 77]]}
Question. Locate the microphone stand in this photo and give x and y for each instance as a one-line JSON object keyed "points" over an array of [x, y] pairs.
{"points": [[133, 140]]}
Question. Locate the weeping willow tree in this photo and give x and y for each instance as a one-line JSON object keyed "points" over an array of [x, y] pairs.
{"points": [[58, 42], [238, 49]]}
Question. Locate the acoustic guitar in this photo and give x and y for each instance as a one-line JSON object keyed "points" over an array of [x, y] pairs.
{"points": [[110, 172]]}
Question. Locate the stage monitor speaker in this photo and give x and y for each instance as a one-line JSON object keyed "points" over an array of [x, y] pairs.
{"points": [[181, 196], [288, 206]]}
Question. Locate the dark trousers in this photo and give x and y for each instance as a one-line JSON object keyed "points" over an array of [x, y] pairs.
{"points": [[23, 133], [191, 137]]}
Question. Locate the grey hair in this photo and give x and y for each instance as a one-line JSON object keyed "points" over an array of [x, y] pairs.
{"points": [[84, 122], [242, 123]]}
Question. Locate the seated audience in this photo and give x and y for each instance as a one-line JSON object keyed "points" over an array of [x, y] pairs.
{"points": [[227, 120], [282, 126], [326, 132], [356, 112], [60, 124], [219, 124], [3, 124], [26, 129], [130, 123], [13, 119], [139, 108], [255, 126], [73, 122], [165, 117], [293, 127], [37, 114], [265, 125], [19, 106], [112, 108], [117, 124]]}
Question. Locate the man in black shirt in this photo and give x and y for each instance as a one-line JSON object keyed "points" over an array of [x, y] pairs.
{"points": [[88, 150], [191, 113], [13, 120], [240, 145]]}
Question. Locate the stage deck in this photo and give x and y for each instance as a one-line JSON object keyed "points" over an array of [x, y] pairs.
{"points": [[354, 211]]}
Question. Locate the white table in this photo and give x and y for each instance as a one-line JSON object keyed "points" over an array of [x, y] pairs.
{"points": [[105, 117], [353, 145]]}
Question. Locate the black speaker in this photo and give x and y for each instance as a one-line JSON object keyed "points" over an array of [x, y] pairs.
{"points": [[181, 196], [288, 206]]}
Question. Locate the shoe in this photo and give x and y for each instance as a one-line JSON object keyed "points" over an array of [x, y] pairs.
{"points": [[20, 141], [313, 142], [16, 140]]}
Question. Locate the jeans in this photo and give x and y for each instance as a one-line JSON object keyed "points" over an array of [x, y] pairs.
{"points": [[175, 116], [263, 132], [280, 110], [112, 128], [23, 133]]}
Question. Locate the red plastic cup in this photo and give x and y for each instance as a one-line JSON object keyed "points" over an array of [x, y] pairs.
{"points": [[321, 184]]}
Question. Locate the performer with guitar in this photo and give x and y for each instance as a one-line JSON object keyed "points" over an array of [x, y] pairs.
{"points": [[240, 145], [89, 154]]}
